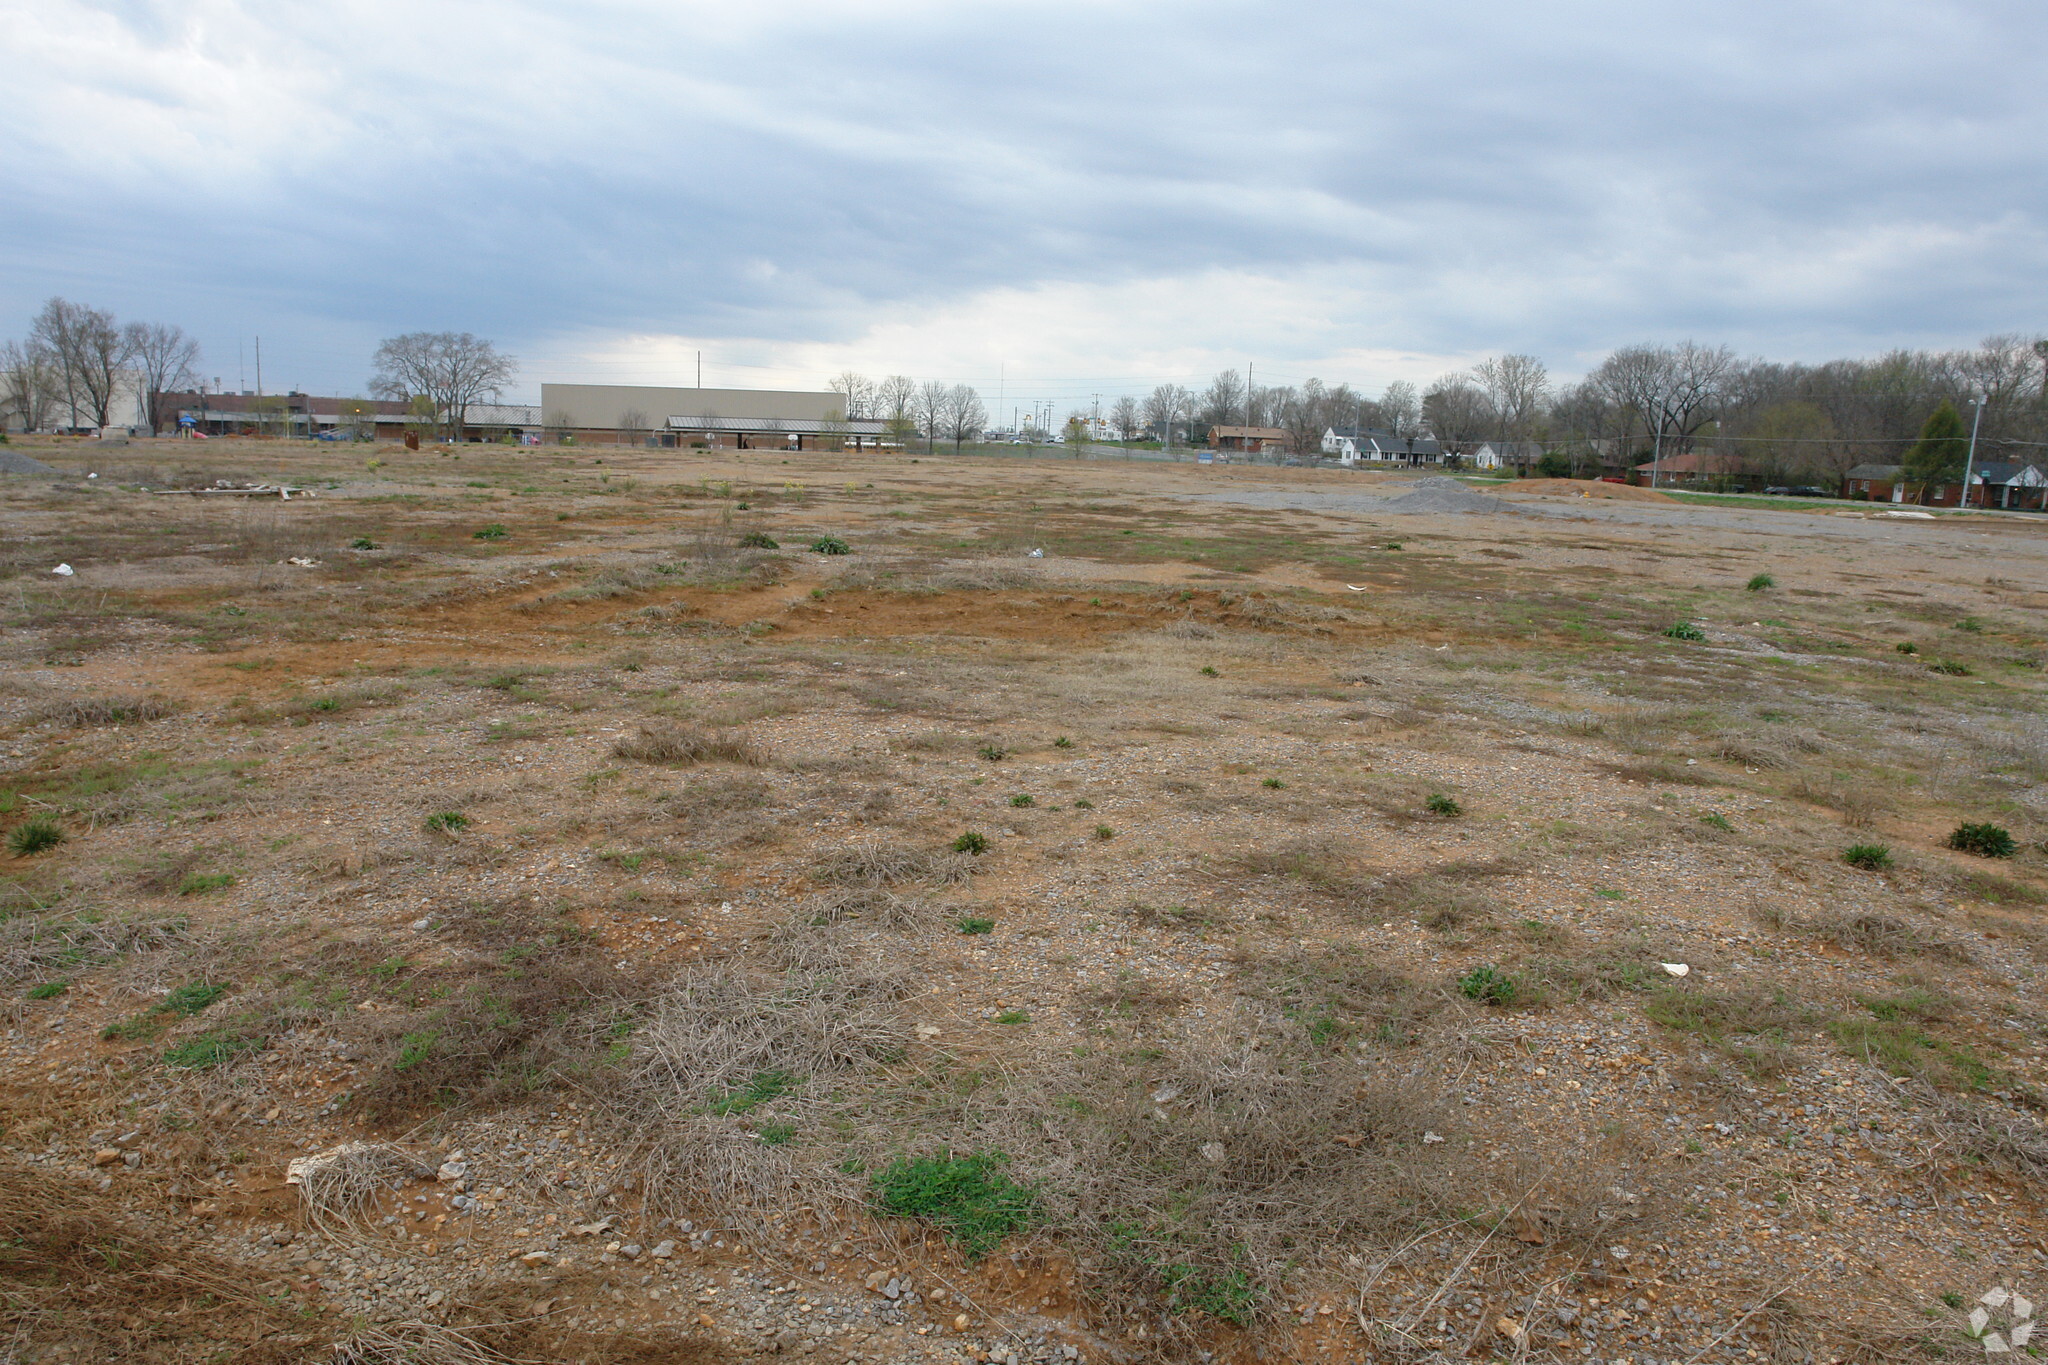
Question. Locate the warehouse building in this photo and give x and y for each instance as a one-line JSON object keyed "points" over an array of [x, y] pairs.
{"points": [[731, 419]]}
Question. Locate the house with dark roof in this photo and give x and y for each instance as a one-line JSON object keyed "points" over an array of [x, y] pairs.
{"points": [[2000, 483], [1370, 445]]}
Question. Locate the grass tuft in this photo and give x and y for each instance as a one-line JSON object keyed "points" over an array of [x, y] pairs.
{"points": [[1984, 840], [1439, 804], [33, 837], [1684, 630], [1869, 857], [1759, 582], [969, 1198], [681, 745]]}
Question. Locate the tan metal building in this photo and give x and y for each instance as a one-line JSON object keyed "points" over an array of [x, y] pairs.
{"points": [[758, 419]]}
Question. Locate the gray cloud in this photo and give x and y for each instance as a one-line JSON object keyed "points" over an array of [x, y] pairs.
{"points": [[1799, 178]]}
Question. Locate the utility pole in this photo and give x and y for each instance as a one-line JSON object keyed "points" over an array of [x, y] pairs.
{"points": [[1970, 461], [700, 369]]}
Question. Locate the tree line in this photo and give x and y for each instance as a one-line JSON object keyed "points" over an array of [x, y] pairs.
{"points": [[1786, 422], [78, 362]]}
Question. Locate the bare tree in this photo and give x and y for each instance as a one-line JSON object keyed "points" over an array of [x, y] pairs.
{"points": [[934, 402], [1515, 385], [895, 397], [29, 384], [91, 353], [1400, 408], [1457, 412], [358, 417], [965, 415], [167, 361], [1223, 401], [1124, 416], [632, 422], [1167, 406], [859, 394], [451, 370]]}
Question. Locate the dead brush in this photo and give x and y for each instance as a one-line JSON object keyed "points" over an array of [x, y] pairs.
{"points": [[1860, 804], [79, 713], [77, 1276], [681, 745], [726, 1043], [1320, 863], [337, 1186], [879, 865], [1878, 935], [873, 905], [415, 1343]]}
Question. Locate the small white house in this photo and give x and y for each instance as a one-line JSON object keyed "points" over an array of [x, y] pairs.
{"points": [[1487, 457]]}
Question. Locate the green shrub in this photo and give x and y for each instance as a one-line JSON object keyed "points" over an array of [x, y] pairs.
{"points": [[760, 540], [1758, 582], [1906, 647], [1986, 841], [971, 841], [1718, 821], [1022, 799], [204, 883], [1950, 668], [49, 990], [1490, 986], [1971, 624], [1439, 804], [1013, 1017], [363, 543], [1083, 803], [967, 924], [1684, 630], [495, 531], [1869, 857], [1273, 783], [830, 545], [1063, 743], [994, 753], [33, 837], [1104, 831], [1210, 672], [447, 821], [969, 1198]]}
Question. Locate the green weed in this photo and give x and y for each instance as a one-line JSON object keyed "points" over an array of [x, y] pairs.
{"points": [[967, 924], [1439, 804], [495, 531], [830, 545], [33, 837], [1986, 841], [971, 841], [1869, 857], [447, 821], [1684, 630], [1758, 582]]}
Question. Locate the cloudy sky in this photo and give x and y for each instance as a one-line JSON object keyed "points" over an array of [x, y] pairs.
{"points": [[1062, 197]]}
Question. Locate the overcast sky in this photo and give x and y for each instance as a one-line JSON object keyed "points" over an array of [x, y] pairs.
{"points": [[1058, 198]]}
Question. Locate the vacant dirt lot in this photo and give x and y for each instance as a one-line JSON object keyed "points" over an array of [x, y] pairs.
{"points": [[1111, 912]]}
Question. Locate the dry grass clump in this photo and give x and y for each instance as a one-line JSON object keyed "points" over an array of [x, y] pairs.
{"points": [[34, 947], [681, 745], [527, 998], [77, 713], [722, 808], [879, 865], [1860, 803], [336, 1186]]}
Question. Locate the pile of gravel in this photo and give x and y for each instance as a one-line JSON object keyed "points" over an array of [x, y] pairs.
{"points": [[1442, 494], [11, 463]]}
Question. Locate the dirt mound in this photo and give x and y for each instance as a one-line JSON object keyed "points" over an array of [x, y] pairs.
{"points": [[1587, 488], [1441, 494], [13, 463]]}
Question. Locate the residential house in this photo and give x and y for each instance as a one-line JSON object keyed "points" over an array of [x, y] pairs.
{"points": [[1370, 445], [1693, 469], [1875, 483], [1251, 440], [1505, 455], [2000, 483]]}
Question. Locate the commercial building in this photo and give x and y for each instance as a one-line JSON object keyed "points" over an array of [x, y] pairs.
{"points": [[735, 419]]}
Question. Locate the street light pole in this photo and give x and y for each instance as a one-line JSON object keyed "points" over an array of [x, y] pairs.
{"points": [[1970, 461]]}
